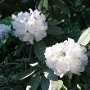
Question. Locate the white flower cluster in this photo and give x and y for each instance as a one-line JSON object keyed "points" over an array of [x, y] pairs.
{"points": [[4, 29], [30, 26], [66, 58]]}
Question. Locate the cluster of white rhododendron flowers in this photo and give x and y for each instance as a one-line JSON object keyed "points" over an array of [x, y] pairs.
{"points": [[66, 58], [30, 26], [4, 29]]}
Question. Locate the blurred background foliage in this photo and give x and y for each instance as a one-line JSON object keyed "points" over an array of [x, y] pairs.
{"points": [[66, 18]]}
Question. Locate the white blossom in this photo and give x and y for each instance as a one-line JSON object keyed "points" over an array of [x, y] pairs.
{"points": [[4, 29], [30, 26], [66, 58]]}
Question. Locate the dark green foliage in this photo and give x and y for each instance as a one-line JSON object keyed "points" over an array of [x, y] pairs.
{"points": [[66, 18], [39, 49], [8, 7]]}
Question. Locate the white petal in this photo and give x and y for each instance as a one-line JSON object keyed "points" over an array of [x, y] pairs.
{"points": [[27, 37], [40, 35], [19, 28]]}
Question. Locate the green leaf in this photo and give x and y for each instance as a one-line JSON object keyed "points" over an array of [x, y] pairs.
{"points": [[54, 30], [63, 6], [18, 88], [48, 73], [26, 73], [44, 83], [39, 49], [85, 37], [43, 4], [56, 85], [34, 83], [60, 84], [87, 70], [6, 21], [52, 22], [40, 4], [49, 40]]}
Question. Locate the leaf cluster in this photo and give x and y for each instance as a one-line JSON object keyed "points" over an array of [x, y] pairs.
{"points": [[23, 65]]}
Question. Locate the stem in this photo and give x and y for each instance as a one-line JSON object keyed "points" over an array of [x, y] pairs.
{"points": [[30, 51], [25, 64], [69, 84]]}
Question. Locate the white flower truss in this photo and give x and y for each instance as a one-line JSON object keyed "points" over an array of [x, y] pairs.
{"points": [[30, 26], [66, 58], [4, 29]]}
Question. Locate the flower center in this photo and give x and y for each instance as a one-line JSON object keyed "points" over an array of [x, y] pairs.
{"points": [[63, 54]]}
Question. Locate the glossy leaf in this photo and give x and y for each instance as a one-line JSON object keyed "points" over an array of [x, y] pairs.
{"points": [[63, 6], [56, 85], [43, 4], [54, 30], [26, 73], [85, 37], [44, 83], [50, 74], [39, 49], [34, 83], [40, 4]]}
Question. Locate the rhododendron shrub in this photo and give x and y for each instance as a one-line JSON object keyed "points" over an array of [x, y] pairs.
{"points": [[46, 47]]}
